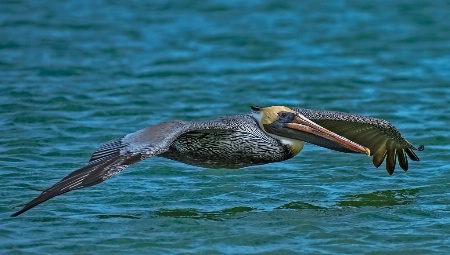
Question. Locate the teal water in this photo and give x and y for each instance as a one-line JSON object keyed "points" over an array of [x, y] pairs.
{"points": [[74, 74]]}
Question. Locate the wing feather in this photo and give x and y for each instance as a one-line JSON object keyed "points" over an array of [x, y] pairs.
{"points": [[411, 154], [84, 177], [391, 156], [108, 150], [402, 159], [379, 156]]}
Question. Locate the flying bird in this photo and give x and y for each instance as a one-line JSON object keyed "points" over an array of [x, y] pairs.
{"points": [[267, 135]]}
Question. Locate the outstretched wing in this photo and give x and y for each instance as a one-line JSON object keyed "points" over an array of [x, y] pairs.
{"points": [[383, 139], [116, 155]]}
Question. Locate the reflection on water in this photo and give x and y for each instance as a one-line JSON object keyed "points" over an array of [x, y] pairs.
{"points": [[301, 206], [376, 199], [381, 198], [112, 216], [197, 214]]}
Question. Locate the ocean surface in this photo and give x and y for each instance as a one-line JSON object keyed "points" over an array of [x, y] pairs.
{"points": [[75, 74]]}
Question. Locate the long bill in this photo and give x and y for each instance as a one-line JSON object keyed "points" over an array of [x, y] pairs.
{"points": [[303, 124]]}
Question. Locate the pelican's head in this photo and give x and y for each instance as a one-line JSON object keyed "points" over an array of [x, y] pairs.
{"points": [[268, 115], [292, 128]]}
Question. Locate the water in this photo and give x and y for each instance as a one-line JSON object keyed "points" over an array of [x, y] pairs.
{"points": [[74, 74]]}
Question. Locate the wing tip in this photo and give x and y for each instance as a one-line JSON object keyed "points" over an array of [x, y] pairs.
{"points": [[391, 156], [378, 158], [18, 213], [390, 170], [402, 160], [38, 200], [412, 155]]}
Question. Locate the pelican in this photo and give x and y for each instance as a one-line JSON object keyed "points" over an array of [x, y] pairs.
{"points": [[267, 135]]}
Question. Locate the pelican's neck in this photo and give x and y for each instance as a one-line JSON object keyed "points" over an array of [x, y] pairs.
{"points": [[258, 117], [295, 145]]}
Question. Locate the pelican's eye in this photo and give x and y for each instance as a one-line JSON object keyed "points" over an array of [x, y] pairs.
{"points": [[285, 117]]}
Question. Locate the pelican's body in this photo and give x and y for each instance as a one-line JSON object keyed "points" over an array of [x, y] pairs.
{"points": [[233, 142], [268, 135]]}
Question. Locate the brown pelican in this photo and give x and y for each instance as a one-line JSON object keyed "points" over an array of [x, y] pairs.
{"points": [[268, 135]]}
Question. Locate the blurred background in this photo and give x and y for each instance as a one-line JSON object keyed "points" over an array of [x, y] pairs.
{"points": [[74, 74]]}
